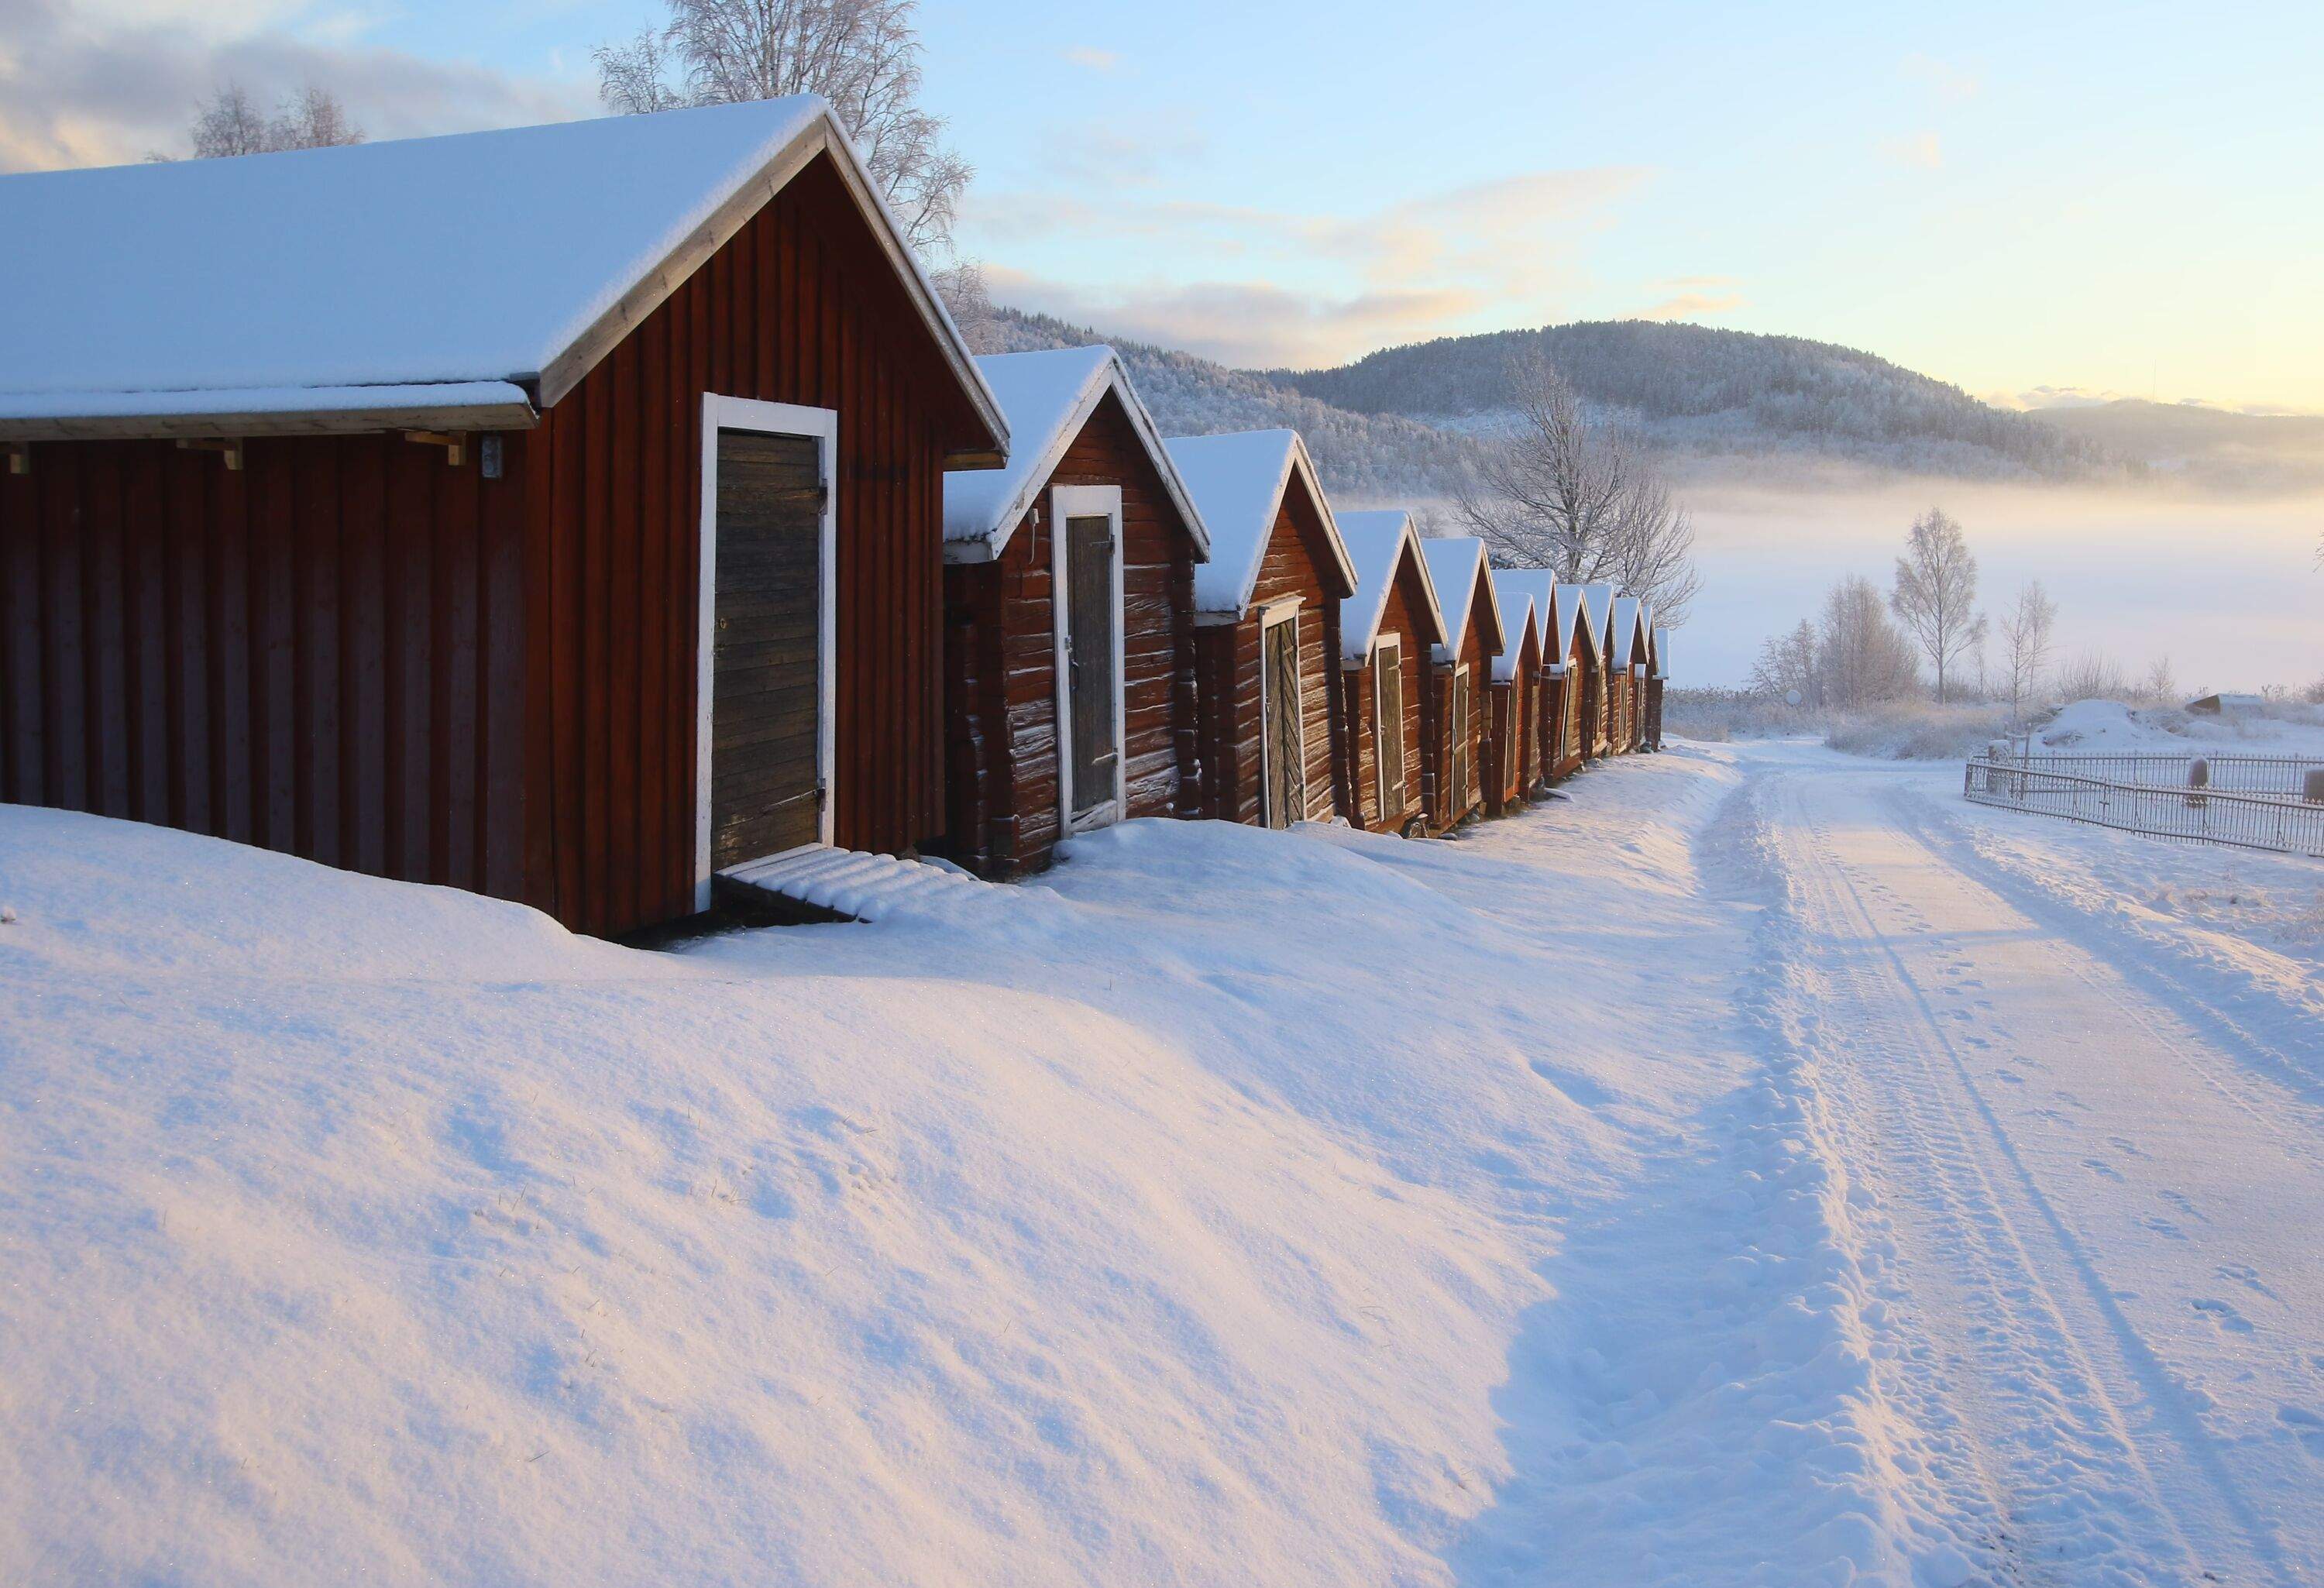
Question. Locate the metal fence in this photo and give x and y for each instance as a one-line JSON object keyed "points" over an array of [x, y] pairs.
{"points": [[2284, 776], [2287, 824]]}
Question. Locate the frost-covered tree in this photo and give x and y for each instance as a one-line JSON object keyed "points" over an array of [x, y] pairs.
{"points": [[229, 122], [1935, 593], [963, 287], [1569, 493], [862, 55], [1787, 666], [2161, 684], [2025, 642], [1862, 656]]}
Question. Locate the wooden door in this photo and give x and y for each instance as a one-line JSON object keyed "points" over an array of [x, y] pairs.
{"points": [[1387, 734], [1465, 740], [765, 793], [1093, 679], [1286, 782]]}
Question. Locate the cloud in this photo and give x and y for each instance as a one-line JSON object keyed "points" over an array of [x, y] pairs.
{"points": [[1419, 267], [1099, 157], [1925, 151], [1249, 324], [106, 84], [1694, 298], [1095, 59], [1946, 81]]}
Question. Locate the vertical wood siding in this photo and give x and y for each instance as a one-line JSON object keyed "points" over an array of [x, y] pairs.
{"points": [[1359, 694], [799, 308], [318, 653], [1228, 666], [1001, 669]]}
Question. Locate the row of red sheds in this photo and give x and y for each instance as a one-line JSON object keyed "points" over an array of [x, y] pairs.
{"points": [[664, 526]]}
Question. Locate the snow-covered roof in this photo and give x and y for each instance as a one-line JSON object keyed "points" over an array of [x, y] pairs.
{"points": [[1598, 602], [1662, 653], [1047, 397], [1454, 565], [1625, 629], [1569, 606], [1378, 543], [1237, 482], [1514, 593], [294, 283], [1540, 586]]}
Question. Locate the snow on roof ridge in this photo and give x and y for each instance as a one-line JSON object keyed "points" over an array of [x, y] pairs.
{"points": [[1627, 614], [1237, 479], [1512, 585], [450, 260], [1454, 559], [1048, 395], [1376, 538]]}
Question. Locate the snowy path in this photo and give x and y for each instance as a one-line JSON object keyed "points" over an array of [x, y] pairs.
{"points": [[2094, 1196]]}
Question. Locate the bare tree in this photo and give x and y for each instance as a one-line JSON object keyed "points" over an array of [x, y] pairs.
{"points": [[1787, 667], [2161, 685], [229, 122], [1576, 497], [1936, 592], [963, 288], [1862, 657], [2094, 675], [2025, 636], [862, 55]]}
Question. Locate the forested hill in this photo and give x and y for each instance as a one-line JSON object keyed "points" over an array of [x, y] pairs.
{"points": [[1364, 458], [1694, 389]]}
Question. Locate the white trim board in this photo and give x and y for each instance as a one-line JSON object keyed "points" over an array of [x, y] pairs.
{"points": [[771, 418], [1066, 502], [1380, 646], [1283, 610]]}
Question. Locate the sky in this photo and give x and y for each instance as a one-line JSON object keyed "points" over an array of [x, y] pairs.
{"points": [[2033, 201]]}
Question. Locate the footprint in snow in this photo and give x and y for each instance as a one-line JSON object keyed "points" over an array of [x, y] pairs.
{"points": [[2100, 1165], [2306, 1426], [2225, 1316], [2165, 1228]]}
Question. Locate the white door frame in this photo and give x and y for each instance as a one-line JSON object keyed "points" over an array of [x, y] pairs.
{"points": [[1283, 611], [770, 418], [1385, 643], [1071, 502]]}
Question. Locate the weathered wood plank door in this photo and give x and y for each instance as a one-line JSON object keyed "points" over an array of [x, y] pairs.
{"points": [[1463, 742], [1093, 681], [1389, 733], [1285, 787], [766, 794]]}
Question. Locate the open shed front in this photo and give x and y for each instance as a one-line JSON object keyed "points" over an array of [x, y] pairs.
{"points": [[673, 610]]}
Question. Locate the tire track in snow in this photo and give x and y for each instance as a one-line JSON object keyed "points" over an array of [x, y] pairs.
{"points": [[2062, 1387]]}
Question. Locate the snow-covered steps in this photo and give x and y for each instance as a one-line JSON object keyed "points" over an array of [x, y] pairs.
{"points": [[844, 885]]}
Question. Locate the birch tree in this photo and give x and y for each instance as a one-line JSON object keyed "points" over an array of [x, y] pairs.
{"points": [[1862, 656], [230, 123], [2026, 630], [1935, 593], [862, 55]]}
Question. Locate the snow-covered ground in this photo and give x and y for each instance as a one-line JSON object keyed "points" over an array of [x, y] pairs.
{"points": [[1760, 1167]]}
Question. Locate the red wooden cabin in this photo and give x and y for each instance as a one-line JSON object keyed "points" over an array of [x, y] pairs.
{"points": [[1657, 677], [1596, 692], [1461, 673], [1069, 618], [1629, 644], [1512, 758], [1388, 629], [554, 512], [1575, 692], [1267, 628]]}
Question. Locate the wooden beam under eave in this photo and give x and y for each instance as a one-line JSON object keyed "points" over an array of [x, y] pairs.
{"points": [[983, 458], [349, 422]]}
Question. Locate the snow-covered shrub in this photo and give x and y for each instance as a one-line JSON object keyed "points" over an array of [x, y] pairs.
{"points": [[1916, 730]]}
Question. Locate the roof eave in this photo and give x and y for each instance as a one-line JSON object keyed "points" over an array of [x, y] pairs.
{"points": [[468, 416]]}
